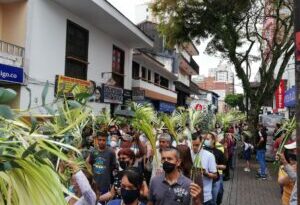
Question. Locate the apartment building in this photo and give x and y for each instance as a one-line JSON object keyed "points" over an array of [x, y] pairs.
{"points": [[60, 42]]}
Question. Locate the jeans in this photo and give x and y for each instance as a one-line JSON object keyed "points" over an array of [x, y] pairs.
{"points": [[260, 157], [217, 189], [210, 202]]}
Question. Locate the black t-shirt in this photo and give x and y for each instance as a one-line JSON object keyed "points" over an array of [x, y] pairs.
{"points": [[219, 156], [103, 163], [261, 145]]}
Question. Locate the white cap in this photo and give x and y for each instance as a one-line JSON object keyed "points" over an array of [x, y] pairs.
{"points": [[290, 146]]}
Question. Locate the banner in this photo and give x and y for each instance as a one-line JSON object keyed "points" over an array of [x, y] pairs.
{"points": [[279, 94], [69, 86], [290, 97], [111, 94], [11, 74]]}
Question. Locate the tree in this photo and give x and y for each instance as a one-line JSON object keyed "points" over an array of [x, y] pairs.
{"points": [[235, 100], [237, 33]]}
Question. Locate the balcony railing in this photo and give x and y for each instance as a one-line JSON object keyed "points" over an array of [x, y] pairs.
{"points": [[11, 54], [11, 49], [194, 65]]}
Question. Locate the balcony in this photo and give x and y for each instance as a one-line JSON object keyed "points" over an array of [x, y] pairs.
{"points": [[189, 66], [11, 54], [155, 91]]}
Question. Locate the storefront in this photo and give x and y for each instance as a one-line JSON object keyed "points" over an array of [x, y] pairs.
{"points": [[12, 77]]}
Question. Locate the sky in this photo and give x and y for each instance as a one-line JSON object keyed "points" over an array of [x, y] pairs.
{"points": [[128, 7]]}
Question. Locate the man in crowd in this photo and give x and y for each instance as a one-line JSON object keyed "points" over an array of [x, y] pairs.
{"points": [[172, 188], [156, 165], [206, 161], [103, 162], [261, 142]]}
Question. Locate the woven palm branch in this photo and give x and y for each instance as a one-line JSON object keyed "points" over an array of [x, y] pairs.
{"points": [[226, 119]]}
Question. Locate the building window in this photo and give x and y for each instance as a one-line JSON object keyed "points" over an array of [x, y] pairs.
{"points": [[144, 73], [135, 70], [118, 66], [164, 82], [156, 78], [149, 75], [76, 51]]}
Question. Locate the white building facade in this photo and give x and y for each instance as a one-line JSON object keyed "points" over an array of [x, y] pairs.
{"points": [[62, 38]]}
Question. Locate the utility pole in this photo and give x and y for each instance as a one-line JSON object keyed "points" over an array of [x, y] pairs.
{"points": [[297, 79]]}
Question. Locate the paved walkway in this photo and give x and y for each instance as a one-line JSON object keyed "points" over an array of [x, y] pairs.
{"points": [[244, 189]]}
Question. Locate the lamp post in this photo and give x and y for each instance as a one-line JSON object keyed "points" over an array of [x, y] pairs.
{"points": [[297, 79]]}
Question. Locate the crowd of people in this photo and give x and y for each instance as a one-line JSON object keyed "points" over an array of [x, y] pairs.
{"points": [[128, 170], [286, 157]]}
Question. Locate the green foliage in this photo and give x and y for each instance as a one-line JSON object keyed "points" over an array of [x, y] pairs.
{"points": [[7, 95], [228, 118], [234, 31], [235, 100]]}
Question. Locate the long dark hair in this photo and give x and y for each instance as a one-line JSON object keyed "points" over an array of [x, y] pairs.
{"points": [[186, 159], [134, 176]]}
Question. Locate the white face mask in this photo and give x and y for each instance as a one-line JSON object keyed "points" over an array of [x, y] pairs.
{"points": [[113, 144]]}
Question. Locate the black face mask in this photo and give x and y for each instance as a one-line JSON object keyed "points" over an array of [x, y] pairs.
{"points": [[129, 196], [168, 167], [124, 164]]}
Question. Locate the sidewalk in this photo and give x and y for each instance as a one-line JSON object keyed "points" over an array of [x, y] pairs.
{"points": [[244, 189]]}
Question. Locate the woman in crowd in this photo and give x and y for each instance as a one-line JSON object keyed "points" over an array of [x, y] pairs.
{"points": [[132, 187], [186, 159], [210, 145]]}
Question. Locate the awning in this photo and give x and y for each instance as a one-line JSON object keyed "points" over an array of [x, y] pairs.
{"points": [[182, 87]]}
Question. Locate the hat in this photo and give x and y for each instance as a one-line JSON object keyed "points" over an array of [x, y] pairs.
{"points": [[290, 146], [164, 136]]}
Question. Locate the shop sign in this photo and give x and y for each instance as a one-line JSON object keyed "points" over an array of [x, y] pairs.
{"points": [[111, 94], [138, 95], [127, 95], [11, 74], [290, 97], [279, 94], [70, 86], [166, 107]]}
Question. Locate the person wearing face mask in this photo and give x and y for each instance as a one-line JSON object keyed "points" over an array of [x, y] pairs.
{"points": [[126, 158], [206, 161], [132, 187], [173, 188], [210, 145]]}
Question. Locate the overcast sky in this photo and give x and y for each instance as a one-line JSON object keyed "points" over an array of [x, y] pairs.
{"points": [[127, 7]]}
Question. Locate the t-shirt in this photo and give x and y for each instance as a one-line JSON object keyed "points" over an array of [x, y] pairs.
{"points": [[261, 145], [287, 189], [208, 162], [103, 163], [162, 193], [219, 156], [119, 202]]}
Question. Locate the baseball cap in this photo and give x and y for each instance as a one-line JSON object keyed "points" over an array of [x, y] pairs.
{"points": [[290, 146]]}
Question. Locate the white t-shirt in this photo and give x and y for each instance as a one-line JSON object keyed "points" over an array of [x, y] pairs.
{"points": [[88, 195], [207, 162]]}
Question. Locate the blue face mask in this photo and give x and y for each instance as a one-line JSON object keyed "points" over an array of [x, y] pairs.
{"points": [[207, 143], [71, 189]]}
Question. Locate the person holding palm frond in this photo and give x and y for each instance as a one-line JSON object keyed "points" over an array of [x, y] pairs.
{"points": [[206, 161]]}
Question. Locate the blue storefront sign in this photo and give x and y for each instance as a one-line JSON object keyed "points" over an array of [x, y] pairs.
{"points": [[166, 107], [290, 97], [11, 74]]}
